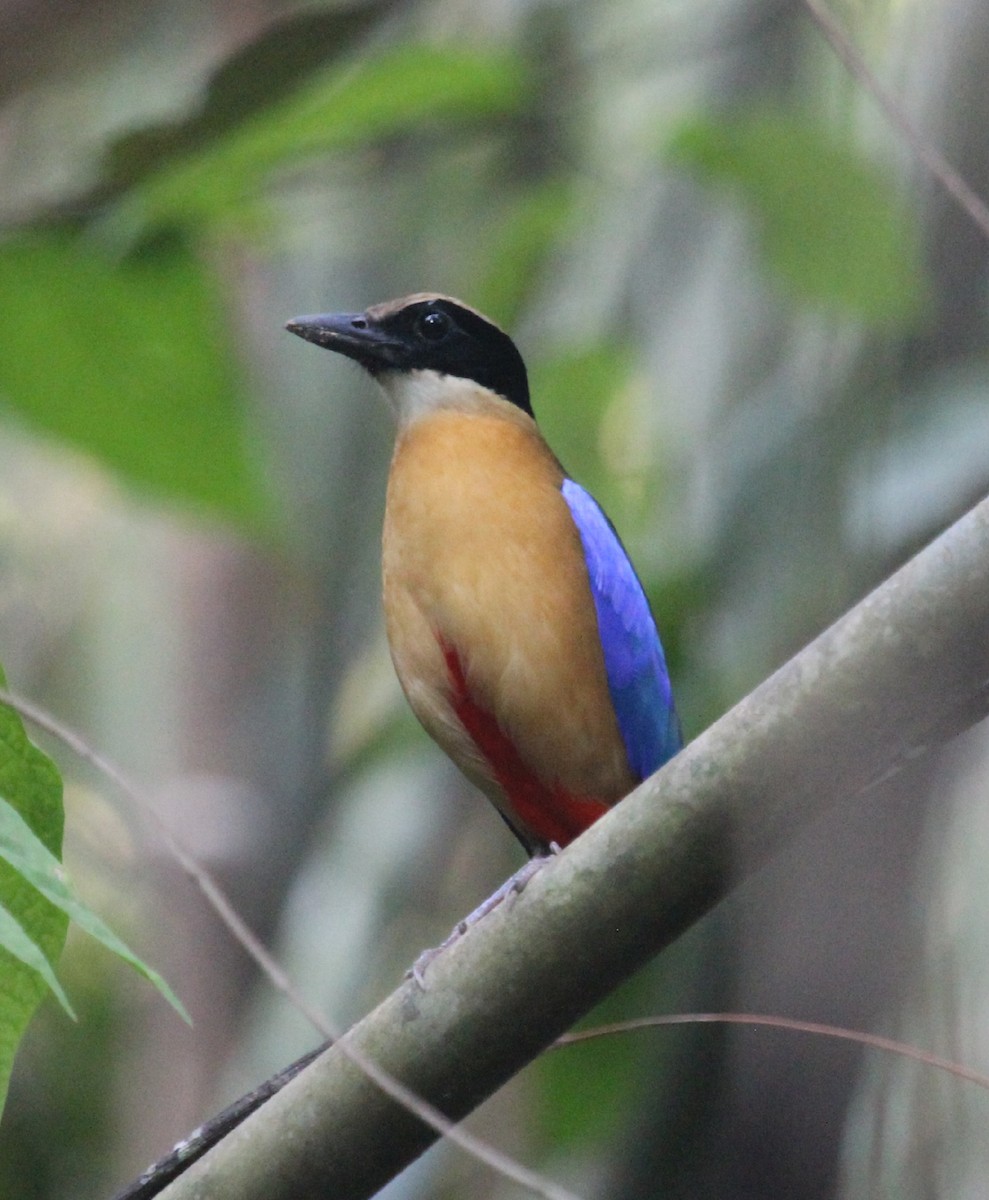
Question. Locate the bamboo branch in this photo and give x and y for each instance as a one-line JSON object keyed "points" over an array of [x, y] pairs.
{"points": [[900, 675]]}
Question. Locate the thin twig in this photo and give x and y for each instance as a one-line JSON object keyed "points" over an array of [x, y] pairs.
{"points": [[874, 1040], [931, 158], [241, 933], [215, 896]]}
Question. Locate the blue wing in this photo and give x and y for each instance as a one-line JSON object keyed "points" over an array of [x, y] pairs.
{"points": [[633, 655]]}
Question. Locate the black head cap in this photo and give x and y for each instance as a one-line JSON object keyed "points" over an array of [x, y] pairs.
{"points": [[424, 332]]}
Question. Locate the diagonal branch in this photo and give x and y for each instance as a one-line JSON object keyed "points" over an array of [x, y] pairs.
{"points": [[901, 674]]}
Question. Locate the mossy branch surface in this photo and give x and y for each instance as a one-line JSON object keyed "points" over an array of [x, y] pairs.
{"points": [[898, 676]]}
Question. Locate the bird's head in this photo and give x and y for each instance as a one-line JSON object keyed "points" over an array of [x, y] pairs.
{"points": [[421, 349]]}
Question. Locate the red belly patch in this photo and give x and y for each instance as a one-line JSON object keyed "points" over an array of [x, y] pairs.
{"points": [[548, 811]]}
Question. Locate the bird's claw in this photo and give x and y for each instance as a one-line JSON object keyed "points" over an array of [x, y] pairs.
{"points": [[507, 892]]}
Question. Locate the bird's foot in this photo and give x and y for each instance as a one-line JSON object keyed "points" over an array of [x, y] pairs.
{"points": [[511, 888]]}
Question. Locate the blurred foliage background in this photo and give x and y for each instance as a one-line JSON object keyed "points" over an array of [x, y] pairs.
{"points": [[755, 329]]}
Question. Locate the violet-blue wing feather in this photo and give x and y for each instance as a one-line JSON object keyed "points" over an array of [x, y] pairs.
{"points": [[633, 654]]}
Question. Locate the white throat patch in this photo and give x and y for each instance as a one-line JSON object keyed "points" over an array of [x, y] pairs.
{"points": [[416, 394]]}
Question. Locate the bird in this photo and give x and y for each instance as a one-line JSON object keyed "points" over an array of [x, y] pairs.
{"points": [[519, 630]]}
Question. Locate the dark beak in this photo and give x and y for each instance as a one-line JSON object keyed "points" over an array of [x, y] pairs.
{"points": [[352, 334]]}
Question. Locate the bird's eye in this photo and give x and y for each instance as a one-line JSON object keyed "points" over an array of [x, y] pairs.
{"points": [[434, 326]]}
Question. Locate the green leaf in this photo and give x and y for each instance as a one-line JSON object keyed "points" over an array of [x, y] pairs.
{"points": [[831, 224], [267, 68], [39, 867], [399, 91], [33, 788], [16, 942], [127, 361]]}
